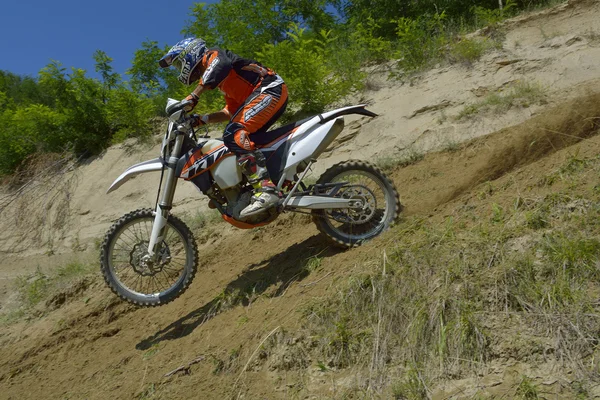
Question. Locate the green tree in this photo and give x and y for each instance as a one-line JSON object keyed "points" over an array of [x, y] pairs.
{"points": [[146, 75], [302, 60], [245, 26], [110, 79], [19, 89]]}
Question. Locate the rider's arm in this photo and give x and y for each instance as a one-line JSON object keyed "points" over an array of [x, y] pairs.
{"points": [[219, 116], [199, 90], [216, 66]]}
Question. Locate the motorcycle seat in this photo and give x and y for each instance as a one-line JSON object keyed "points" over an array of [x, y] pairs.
{"points": [[264, 139]]}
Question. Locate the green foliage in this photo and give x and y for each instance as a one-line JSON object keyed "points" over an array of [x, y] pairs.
{"points": [[128, 114], [302, 61], [370, 46], [320, 56], [17, 89], [491, 17], [110, 79], [146, 75], [245, 26], [420, 40], [76, 113]]}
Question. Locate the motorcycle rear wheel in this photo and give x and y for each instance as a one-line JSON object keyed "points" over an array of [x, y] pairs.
{"points": [[367, 183], [141, 283]]}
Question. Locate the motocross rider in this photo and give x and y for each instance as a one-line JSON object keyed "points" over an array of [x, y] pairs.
{"points": [[255, 97]]}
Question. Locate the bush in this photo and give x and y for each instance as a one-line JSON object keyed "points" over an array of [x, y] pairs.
{"points": [[129, 114], [466, 51], [302, 61], [492, 17], [420, 41]]}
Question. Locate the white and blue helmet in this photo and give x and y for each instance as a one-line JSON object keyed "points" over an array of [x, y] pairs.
{"points": [[185, 56]]}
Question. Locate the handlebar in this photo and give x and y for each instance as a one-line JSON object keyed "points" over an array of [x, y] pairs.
{"points": [[184, 105]]}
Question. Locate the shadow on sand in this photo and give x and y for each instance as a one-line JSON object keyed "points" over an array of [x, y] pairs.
{"points": [[281, 269]]}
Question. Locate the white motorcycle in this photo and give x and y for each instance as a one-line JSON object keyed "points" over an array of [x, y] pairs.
{"points": [[149, 257]]}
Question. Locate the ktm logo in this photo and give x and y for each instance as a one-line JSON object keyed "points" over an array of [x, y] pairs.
{"points": [[203, 163]]}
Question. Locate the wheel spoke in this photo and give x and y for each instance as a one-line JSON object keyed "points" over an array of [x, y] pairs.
{"points": [[364, 183], [138, 274]]}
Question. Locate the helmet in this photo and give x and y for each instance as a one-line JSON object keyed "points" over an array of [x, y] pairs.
{"points": [[185, 56]]}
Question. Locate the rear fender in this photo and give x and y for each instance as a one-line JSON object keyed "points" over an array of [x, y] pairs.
{"points": [[311, 143], [141, 168]]}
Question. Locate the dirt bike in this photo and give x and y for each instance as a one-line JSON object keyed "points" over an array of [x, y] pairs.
{"points": [[149, 257]]}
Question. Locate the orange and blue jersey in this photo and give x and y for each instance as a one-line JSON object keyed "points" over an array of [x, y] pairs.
{"points": [[254, 95]]}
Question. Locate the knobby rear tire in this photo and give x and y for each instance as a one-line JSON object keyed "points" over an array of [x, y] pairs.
{"points": [[393, 207], [148, 299]]}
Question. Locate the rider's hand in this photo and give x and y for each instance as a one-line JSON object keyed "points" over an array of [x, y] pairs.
{"points": [[199, 120], [191, 100]]}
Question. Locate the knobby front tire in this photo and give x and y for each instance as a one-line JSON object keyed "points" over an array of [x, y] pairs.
{"points": [[126, 242]]}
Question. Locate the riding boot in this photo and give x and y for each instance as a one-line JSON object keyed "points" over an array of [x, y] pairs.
{"points": [[265, 194]]}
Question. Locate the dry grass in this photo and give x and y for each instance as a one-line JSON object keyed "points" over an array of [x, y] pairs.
{"points": [[405, 158], [37, 202], [522, 94], [448, 296], [39, 293]]}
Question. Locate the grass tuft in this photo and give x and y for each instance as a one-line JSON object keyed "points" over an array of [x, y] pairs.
{"points": [[467, 51], [53, 289], [527, 390], [523, 94], [449, 293], [38, 286], [204, 224], [408, 157]]}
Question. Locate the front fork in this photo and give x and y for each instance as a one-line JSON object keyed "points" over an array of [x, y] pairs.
{"points": [[165, 203]]}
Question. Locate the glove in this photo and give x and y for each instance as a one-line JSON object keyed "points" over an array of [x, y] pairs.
{"points": [[199, 120], [191, 100]]}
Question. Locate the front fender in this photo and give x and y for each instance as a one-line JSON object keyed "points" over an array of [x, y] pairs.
{"points": [[134, 170]]}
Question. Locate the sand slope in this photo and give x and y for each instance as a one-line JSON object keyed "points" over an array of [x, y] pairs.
{"points": [[102, 348]]}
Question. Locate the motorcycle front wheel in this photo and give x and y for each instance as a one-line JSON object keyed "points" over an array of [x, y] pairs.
{"points": [[367, 183], [140, 279]]}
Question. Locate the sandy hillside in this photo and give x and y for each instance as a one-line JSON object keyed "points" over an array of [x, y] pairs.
{"points": [[252, 284], [90, 345], [556, 51]]}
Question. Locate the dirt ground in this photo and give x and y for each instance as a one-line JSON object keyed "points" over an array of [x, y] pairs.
{"points": [[104, 348], [94, 346]]}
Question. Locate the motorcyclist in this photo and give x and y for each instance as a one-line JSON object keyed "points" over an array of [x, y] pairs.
{"points": [[255, 97]]}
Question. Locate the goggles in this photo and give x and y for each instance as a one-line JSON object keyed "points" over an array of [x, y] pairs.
{"points": [[170, 59]]}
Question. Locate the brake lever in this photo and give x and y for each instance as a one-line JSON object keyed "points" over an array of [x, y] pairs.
{"points": [[206, 135], [193, 133]]}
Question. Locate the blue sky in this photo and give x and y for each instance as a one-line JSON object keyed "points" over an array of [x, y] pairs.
{"points": [[35, 31]]}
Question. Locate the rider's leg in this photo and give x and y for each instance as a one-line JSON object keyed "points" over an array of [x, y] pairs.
{"points": [[254, 167], [257, 114]]}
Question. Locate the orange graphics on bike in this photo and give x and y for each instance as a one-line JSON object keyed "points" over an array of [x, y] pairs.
{"points": [[149, 256], [198, 162]]}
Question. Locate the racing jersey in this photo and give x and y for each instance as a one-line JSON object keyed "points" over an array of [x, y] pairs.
{"points": [[235, 76]]}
